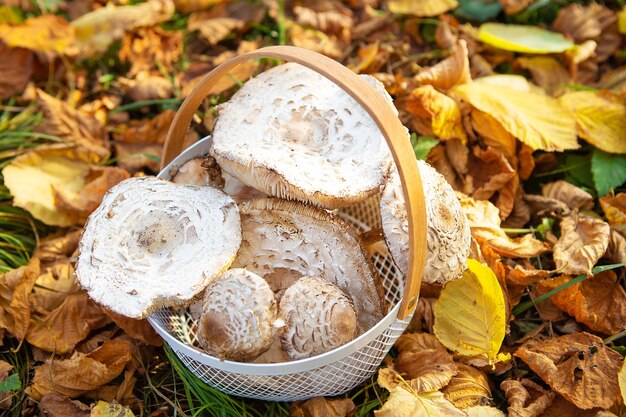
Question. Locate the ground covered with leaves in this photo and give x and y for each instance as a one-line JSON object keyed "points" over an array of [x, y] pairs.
{"points": [[520, 104]]}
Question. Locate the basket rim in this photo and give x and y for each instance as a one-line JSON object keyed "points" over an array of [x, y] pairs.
{"points": [[200, 149]]}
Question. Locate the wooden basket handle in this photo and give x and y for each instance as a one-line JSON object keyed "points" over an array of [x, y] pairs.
{"points": [[380, 111]]}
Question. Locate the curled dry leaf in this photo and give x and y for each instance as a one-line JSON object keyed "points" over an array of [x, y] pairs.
{"points": [[188, 6], [526, 399], [512, 7], [439, 111], [57, 248], [137, 329], [449, 72], [561, 407], [16, 68], [59, 405], [216, 24], [49, 34], [81, 373], [146, 87], [73, 126], [546, 71], [138, 49], [424, 361], [316, 40], [468, 388], [489, 171], [96, 30], [614, 208], [574, 197], [485, 221], [469, 327], [484, 411], [329, 17], [598, 302], [599, 118], [537, 120], [322, 407], [582, 243], [61, 329], [616, 252], [421, 8], [578, 366], [15, 289], [621, 379], [541, 206], [54, 284], [493, 134]]}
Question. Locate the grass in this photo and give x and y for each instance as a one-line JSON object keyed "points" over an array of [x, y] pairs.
{"points": [[20, 357]]}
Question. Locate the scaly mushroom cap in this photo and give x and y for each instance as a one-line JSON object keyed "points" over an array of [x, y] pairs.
{"points": [[285, 240], [294, 134], [319, 317], [154, 244], [239, 316], [448, 233]]}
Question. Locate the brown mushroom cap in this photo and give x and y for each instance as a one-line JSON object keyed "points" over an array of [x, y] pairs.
{"points": [[448, 234], [152, 244], [319, 318], [239, 316], [284, 241], [294, 134]]}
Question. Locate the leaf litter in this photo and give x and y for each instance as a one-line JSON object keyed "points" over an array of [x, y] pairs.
{"points": [[523, 114]]}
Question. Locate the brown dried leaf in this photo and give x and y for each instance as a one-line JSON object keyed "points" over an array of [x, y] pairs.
{"points": [[598, 302], [582, 243], [138, 49], [72, 126], [146, 87], [57, 248], [438, 110], [542, 206], [449, 72], [614, 208], [60, 330], [515, 6], [53, 286], [105, 409], [526, 399], [329, 17], [546, 71], [468, 388], [525, 275], [492, 133], [16, 67], [578, 366], [6, 397], [316, 40], [561, 407], [58, 405], [485, 221], [490, 171], [137, 329], [219, 22], [616, 252], [188, 6], [15, 289], [48, 34], [571, 195], [322, 407], [81, 373], [424, 361]]}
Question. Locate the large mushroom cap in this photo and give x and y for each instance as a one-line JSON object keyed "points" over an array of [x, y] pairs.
{"points": [[153, 244], [239, 316], [294, 134], [448, 232], [319, 318], [285, 240]]}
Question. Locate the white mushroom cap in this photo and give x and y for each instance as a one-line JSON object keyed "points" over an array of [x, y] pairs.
{"points": [[319, 318], [294, 134], [154, 244], [239, 316], [448, 235], [284, 241]]}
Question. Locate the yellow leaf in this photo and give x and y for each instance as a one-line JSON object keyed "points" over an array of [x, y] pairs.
{"points": [[535, 119], [421, 8], [188, 6], [621, 379], [522, 38], [441, 111], [47, 33], [600, 118], [621, 21], [105, 409], [404, 402], [96, 30], [470, 314], [451, 71], [484, 411]]}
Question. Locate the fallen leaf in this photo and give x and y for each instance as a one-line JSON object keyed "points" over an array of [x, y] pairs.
{"points": [[138, 50], [485, 221], [614, 208], [609, 170], [403, 401], [440, 111], [322, 407], [598, 302], [522, 38], [470, 314], [329, 17], [424, 361], [512, 7], [582, 243], [6, 395], [73, 126], [561, 407], [449, 72], [468, 388], [546, 71], [60, 330], [53, 286], [81, 373], [421, 8], [483, 411], [58, 405], [96, 30], [574, 197], [578, 366], [616, 252], [542, 206], [16, 69], [521, 402], [316, 40], [366, 56], [621, 379], [49, 34], [137, 329], [146, 87], [15, 288], [490, 171], [57, 248], [599, 118], [493, 134], [105, 409], [519, 275], [188, 6], [219, 22], [537, 120]]}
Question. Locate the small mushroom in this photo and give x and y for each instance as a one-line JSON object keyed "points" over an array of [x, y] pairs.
{"points": [[319, 318], [448, 234], [239, 318], [294, 134], [154, 244], [285, 240]]}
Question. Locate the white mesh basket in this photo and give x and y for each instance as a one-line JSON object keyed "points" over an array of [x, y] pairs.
{"points": [[341, 369]]}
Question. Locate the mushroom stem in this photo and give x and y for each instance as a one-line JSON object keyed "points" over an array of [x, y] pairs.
{"points": [[374, 241]]}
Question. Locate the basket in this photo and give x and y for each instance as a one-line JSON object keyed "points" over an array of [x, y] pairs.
{"points": [[335, 372]]}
